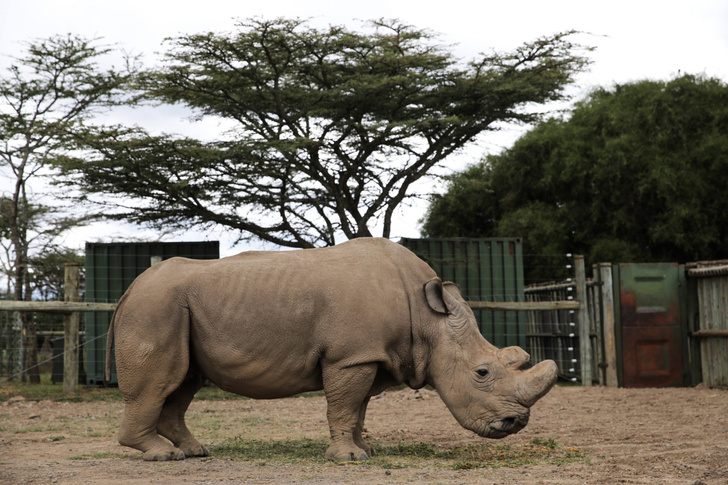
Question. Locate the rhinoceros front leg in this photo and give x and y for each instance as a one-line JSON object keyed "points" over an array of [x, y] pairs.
{"points": [[358, 439], [145, 391], [347, 395]]}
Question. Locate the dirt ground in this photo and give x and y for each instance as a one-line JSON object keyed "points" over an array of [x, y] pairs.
{"points": [[676, 436]]}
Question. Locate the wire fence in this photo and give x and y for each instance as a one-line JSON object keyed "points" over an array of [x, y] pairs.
{"points": [[50, 360]]}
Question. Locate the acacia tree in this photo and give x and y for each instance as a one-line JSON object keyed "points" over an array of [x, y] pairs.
{"points": [[637, 173], [44, 97], [331, 127]]}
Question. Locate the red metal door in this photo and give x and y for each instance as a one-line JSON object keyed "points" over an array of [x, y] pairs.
{"points": [[650, 316]]}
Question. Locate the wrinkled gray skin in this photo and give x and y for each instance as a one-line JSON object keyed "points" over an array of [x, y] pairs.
{"points": [[353, 320]]}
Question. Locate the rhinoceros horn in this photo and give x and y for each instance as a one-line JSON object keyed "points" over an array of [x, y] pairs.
{"points": [[535, 382]]}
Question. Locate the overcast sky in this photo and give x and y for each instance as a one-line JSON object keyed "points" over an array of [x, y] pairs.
{"points": [[634, 40]]}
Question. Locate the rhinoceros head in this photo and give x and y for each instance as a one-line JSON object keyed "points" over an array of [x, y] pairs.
{"points": [[486, 388]]}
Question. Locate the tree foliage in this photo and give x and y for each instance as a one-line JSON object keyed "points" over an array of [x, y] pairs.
{"points": [[637, 173], [44, 98], [331, 127]]}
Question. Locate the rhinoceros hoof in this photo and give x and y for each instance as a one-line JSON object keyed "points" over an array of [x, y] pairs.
{"points": [[196, 450], [368, 450], [164, 455], [340, 453]]}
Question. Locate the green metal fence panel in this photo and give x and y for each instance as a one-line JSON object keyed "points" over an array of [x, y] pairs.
{"points": [[486, 269], [110, 269]]}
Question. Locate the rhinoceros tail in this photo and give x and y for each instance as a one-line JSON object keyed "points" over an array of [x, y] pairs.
{"points": [[110, 340]]}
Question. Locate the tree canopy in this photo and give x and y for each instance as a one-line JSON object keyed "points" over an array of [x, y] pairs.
{"points": [[45, 97], [637, 173], [330, 127]]}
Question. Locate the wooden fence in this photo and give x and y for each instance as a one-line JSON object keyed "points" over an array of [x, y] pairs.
{"points": [[712, 288], [72, 308], [572, 323]]}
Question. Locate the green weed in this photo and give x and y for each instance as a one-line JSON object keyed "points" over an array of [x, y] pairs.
{"points": [[405, 455], [549, 443]]}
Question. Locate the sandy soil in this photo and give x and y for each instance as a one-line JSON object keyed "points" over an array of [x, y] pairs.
{"points": [[676, 436]]}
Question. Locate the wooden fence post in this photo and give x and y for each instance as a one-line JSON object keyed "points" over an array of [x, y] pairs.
{"points": [[71, 328], [610, 335], [585, 355]]}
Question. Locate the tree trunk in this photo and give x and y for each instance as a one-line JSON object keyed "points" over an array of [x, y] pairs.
{"points": [[23, 291]]}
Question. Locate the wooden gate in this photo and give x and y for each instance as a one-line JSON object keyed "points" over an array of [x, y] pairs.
{"points": [[652, 340]]}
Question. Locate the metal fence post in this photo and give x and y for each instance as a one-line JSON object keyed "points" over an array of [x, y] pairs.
{"points": [[71, 327], [585, 354]]}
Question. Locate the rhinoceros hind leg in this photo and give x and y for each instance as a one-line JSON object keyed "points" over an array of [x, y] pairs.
{"points": [[171, 422], [347, 396], [145, 438], [145, 393]]}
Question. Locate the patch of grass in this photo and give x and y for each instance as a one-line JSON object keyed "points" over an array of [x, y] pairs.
{"points": [[488, 456], [254, 420], [405, 455], [409, 450], [264, 451], [214, 393], [97, 456], [54, 392], [311, 394], [38, 428]]}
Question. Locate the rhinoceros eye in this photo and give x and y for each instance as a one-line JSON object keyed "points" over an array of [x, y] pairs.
{"points": [[482, 372]]}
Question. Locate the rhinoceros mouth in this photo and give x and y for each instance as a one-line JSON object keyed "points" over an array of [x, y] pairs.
{"points": [[502, 427]]}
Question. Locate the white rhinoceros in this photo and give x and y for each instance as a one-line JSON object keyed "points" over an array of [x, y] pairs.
{"points": [[352, 320]]}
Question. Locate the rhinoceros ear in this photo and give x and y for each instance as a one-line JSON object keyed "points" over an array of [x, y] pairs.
{"points": [[435, 296], [452, 288]]}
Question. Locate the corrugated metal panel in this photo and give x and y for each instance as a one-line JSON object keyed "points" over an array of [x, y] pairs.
{"points": [[486, 269], [110, 269]]}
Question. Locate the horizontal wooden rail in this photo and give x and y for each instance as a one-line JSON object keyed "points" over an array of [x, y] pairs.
{"points": [[55, 306], [524, 305], [721, 270], [710, 333]]}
